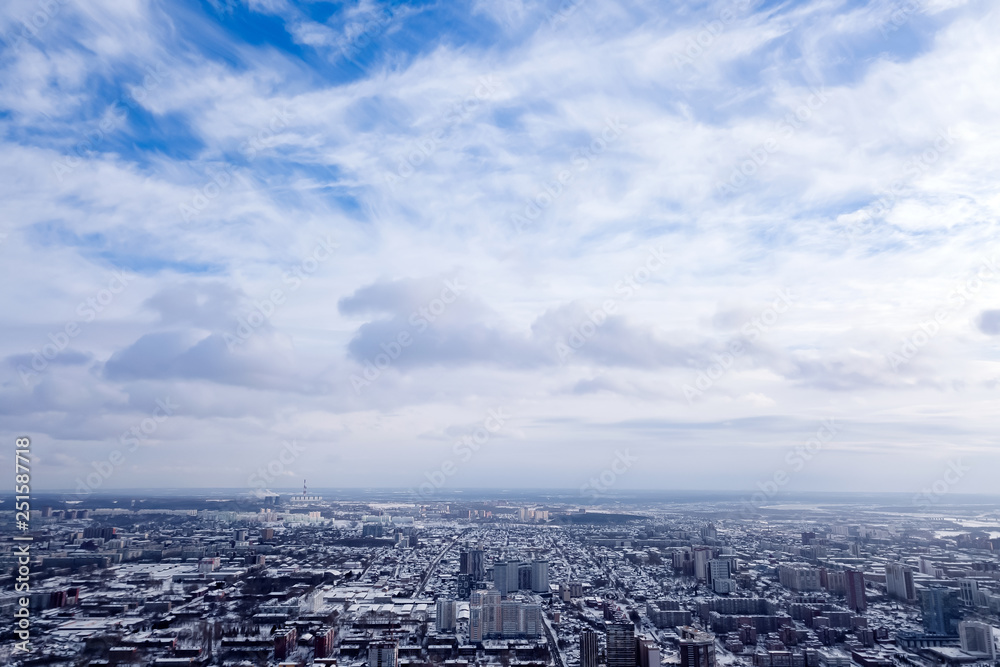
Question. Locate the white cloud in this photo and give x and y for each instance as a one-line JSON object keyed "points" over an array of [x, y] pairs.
{"points": [[313, 147]]}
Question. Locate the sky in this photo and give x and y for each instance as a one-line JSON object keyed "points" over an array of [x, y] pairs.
{"points": [[594, 245]]}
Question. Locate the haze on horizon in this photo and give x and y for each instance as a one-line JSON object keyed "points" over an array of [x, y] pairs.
{"points": [[510, 244]]}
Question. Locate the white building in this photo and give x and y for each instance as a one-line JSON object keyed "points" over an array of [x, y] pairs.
{"points": [[899, 582], [977, 637], [799, 577]]}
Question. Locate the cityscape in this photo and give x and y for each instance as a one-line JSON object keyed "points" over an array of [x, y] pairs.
{"points": [[533, 580], [500, 333]]}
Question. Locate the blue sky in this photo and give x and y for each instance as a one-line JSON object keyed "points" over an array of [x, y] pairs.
{"points": [[694, 231]]}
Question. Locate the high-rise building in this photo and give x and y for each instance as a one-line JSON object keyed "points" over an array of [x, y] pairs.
{"points": [[446, 618], [836, 580], [588, 648], [799, 577], [473, 563], [514, 576], [383, 654], [942, 609], [510, 618], [476, 624], [492, 624], [977, 637], [718, 568], [621, 645], [524, 577], [856, 599], [531, 620], [285, 643], [500, 575], [647, 652], [506, 576], [701, 557], [540, 576], [970, 591], [697, 648], [463, 586], [323, 642], [493, 616], [899, 582]]}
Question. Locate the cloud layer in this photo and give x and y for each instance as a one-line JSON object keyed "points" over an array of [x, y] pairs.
{"points": [[695, 231]]}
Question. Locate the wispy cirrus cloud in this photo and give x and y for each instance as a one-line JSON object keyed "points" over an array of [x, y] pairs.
{"points": [[287, 120]]}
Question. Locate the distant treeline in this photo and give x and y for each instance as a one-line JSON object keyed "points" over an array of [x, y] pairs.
{"points": [[597, 518]]}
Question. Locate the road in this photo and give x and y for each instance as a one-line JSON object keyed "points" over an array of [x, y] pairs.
{"points": [[553, 645], [434, 563]]}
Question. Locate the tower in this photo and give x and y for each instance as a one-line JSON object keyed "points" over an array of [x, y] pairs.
{"points": [[500, 576], [942, 609], [697, 648], [856, 590], [899, 582], [588, 648], [476, 622], [446, 620], [621, 644], [540, 576]]}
